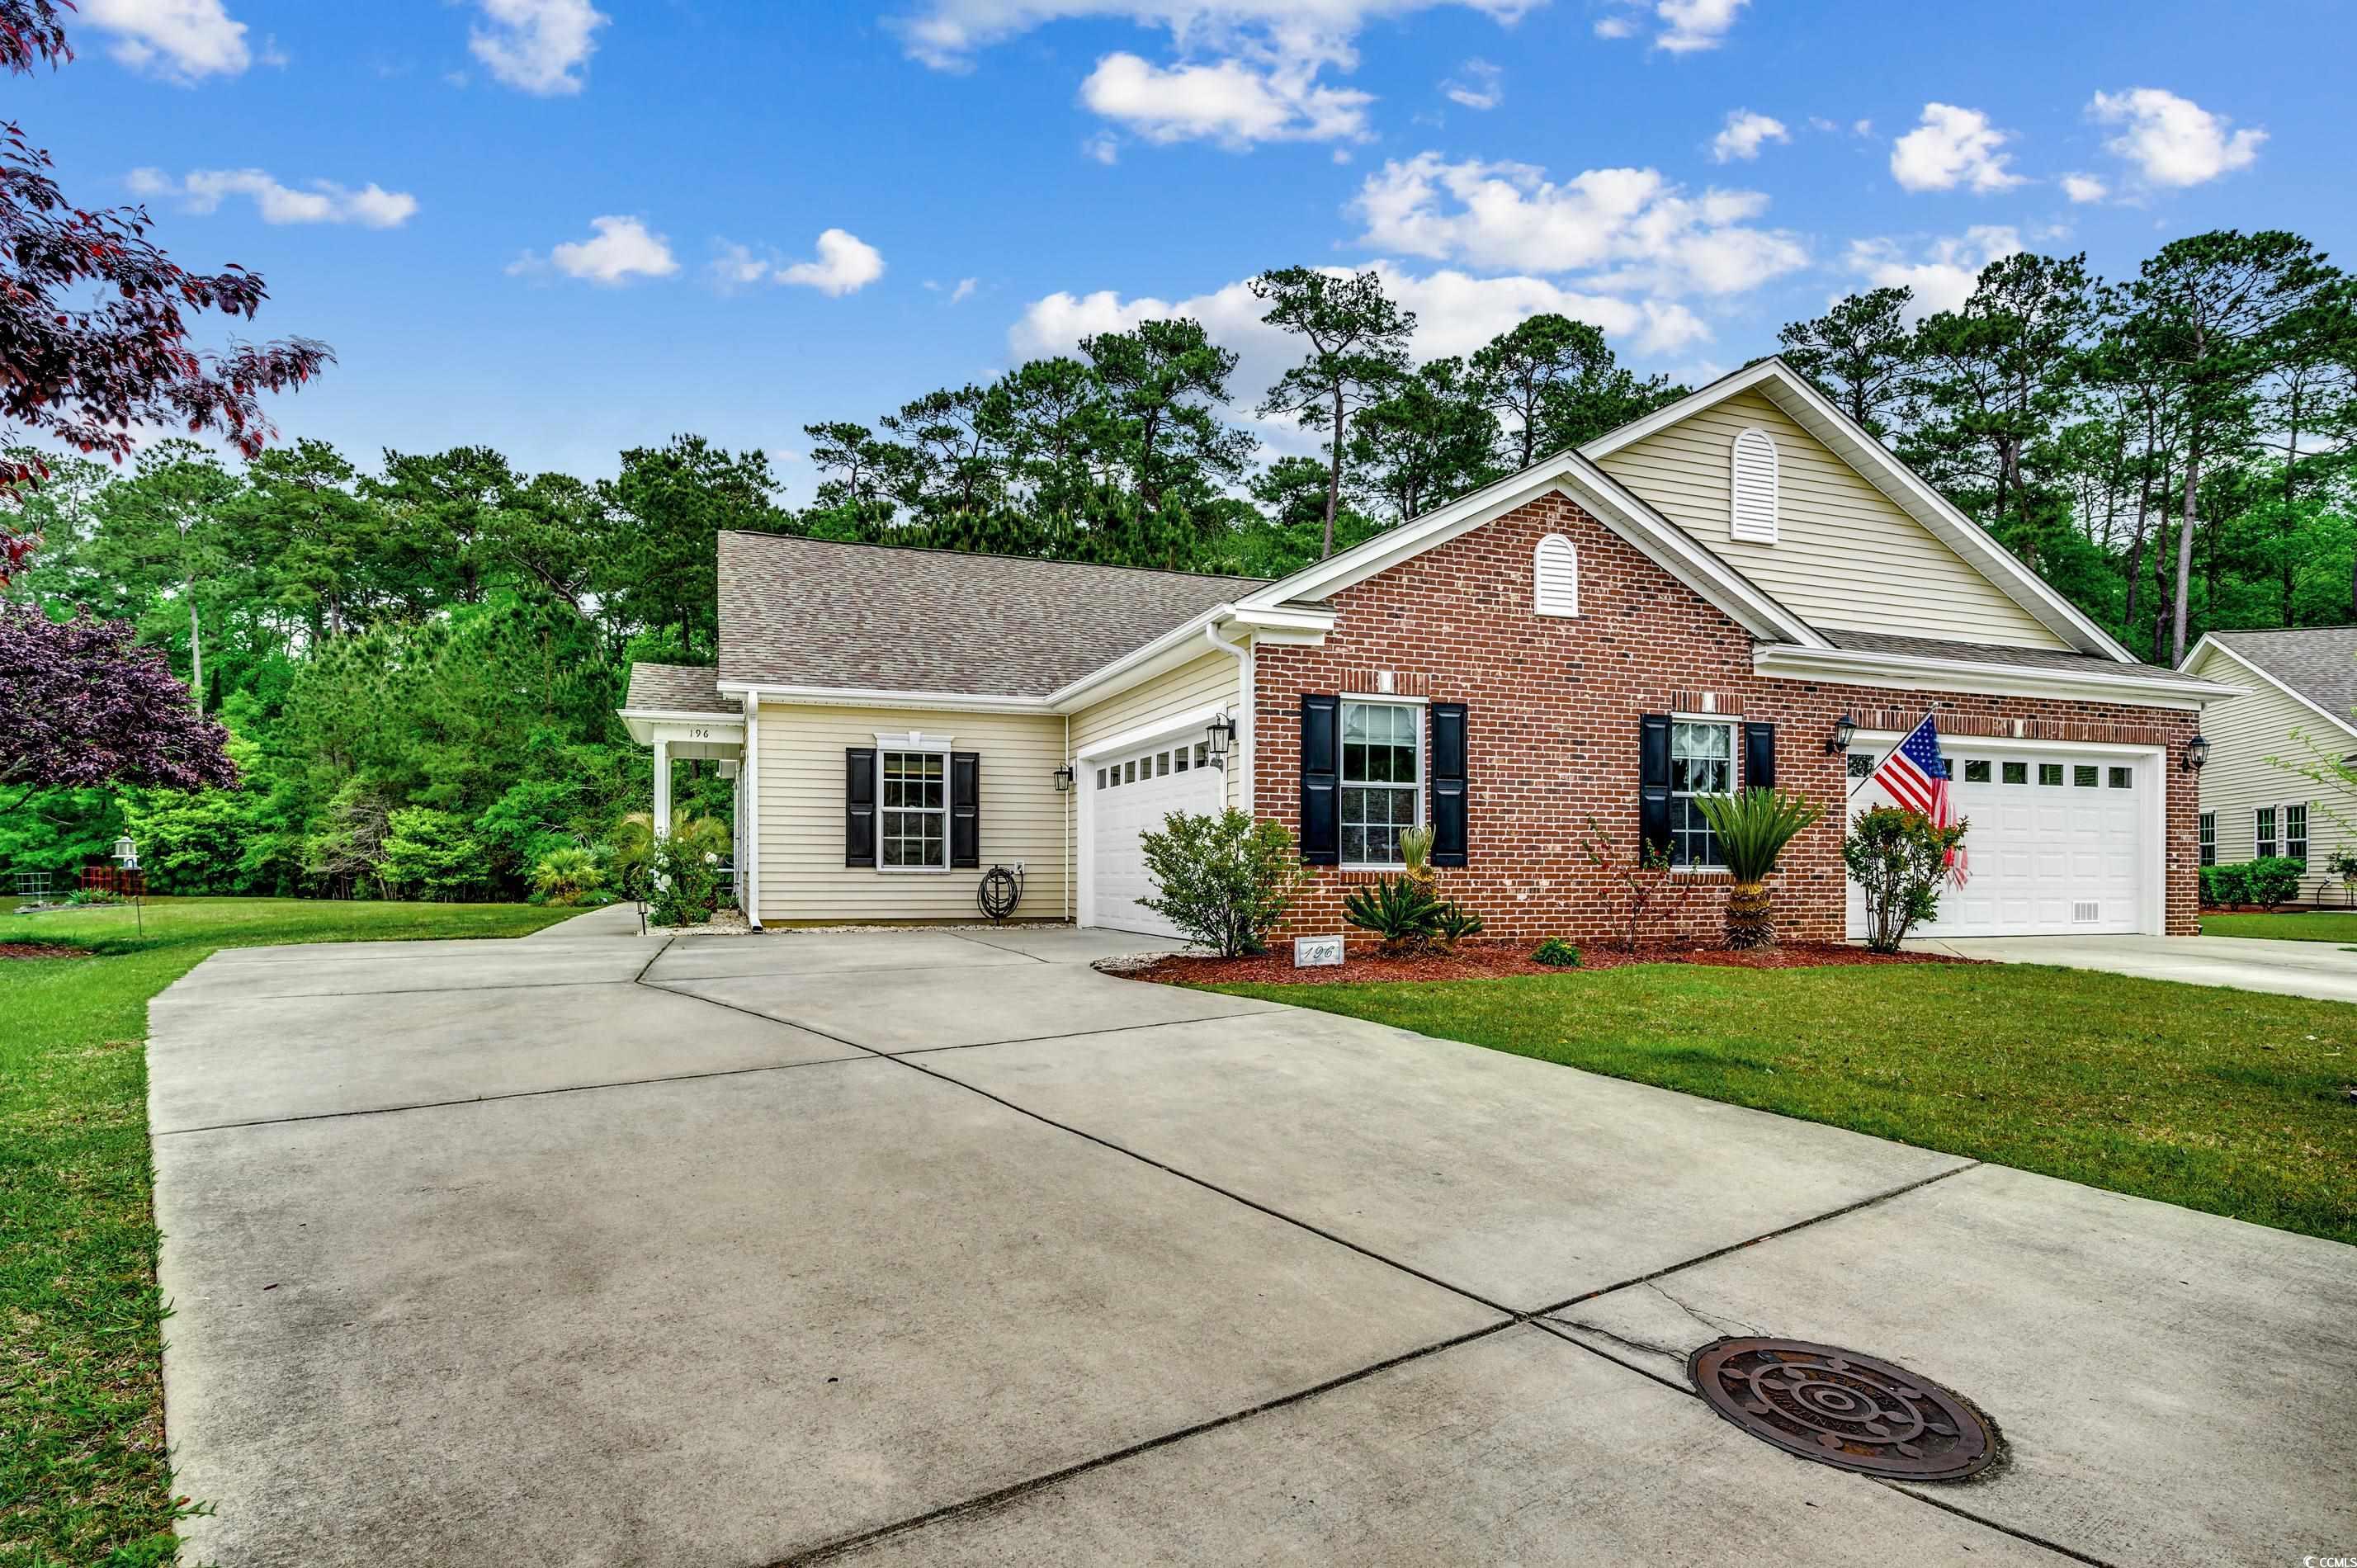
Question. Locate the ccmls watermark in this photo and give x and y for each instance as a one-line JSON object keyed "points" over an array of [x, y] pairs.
{"points": [[2328, 1562]]}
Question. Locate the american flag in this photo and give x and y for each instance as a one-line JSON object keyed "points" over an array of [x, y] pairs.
{"points": [[1916, 776]]}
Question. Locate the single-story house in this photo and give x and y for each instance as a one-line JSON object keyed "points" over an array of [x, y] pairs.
{"points": [[1742, 588], [2297, 709]]}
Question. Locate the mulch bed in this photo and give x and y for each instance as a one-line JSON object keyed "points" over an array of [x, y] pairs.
{"points": [[39, 949], [1490, 961]]}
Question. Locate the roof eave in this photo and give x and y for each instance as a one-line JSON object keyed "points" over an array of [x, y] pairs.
{"points": [[2211, 644], [1856, 667]]}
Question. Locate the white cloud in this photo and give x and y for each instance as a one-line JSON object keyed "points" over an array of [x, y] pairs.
{"points": [[1863, 127], [1105, 147], [1953, 147], [1230, 101], [1477, 84], [2084, 188], [320, 201], [1686, 25], [1643, 231], [1745, 133], [622, 249], [1942, 276], [2173, 141], [846, 264], [965, 290], [537, 46], [179, 40]]}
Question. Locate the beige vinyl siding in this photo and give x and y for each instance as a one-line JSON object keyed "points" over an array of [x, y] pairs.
{"points": [[2244, 731], [803, 879], [1845, 555], [1208, 682]]}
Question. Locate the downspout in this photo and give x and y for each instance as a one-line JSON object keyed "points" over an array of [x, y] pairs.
{"points": [[1242, 654], [748, 777], [1071, 826]]}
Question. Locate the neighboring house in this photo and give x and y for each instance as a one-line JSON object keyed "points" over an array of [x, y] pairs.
{"points": [[1696, 602], [2299, 707]]}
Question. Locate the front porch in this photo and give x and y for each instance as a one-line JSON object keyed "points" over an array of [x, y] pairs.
{"points": [[678, 712]]}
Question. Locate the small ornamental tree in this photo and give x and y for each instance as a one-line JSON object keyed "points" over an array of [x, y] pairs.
{"points": [[1222, 878], [82, 705], [93, 329], [1753, 827], [1899, 858]]}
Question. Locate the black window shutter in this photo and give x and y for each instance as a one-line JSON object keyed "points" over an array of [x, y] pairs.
{"points": [[1321, 772], [1654, 782], [965, 807], [859, 806], [1448, 784], [1759, 757]]}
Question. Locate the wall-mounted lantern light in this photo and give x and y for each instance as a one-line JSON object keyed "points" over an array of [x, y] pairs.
{"points": [[1844, 731], [1064, 779], [2197, 752], [1220, 735]]}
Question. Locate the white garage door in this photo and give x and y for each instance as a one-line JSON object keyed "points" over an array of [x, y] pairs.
{"points": [[1133, 793], [2060, 844]]}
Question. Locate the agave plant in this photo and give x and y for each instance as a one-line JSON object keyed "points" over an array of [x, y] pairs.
{"points": [[1399, 911], [1416, 858], [1753, 828]]}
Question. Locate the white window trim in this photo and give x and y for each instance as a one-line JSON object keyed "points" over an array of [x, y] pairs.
{"points": [[2205, 820], [936, 746], [2282, 827], [1342, 781], [1538, 554], [1736, 527], [2274, 836], [1733, 725]]}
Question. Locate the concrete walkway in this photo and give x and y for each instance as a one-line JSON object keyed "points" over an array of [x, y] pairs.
{"points": [[941, 1246], [2326, 971]]}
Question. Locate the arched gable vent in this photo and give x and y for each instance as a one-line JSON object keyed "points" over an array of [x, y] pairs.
{"points": [[1554, 577], [1753, 494]]}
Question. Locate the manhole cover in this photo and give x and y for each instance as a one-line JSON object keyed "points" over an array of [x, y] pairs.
{"points": [[1853, 1411]]}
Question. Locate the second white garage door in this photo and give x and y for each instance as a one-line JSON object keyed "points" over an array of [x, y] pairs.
{"points": [[2060, 844], [1132, 793]]}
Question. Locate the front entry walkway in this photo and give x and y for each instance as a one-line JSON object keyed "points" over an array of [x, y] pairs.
{"points": [[2323, 969], [938, 1246]]}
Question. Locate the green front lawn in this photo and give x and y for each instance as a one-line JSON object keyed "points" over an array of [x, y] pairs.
{"points": [[83, 1473], [2315, 925], [2224, 1101]]}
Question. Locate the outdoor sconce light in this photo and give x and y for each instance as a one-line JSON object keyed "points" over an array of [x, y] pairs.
{"points": [[1222, 734], [1064, 779], [1844, 731], [2197, 752]]}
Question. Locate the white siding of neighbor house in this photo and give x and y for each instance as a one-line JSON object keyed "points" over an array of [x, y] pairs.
{"points": [[803, 879], [2244, 731], [1845, 554]]}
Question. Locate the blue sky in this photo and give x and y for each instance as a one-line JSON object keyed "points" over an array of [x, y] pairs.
{"points": [[817, 211]]}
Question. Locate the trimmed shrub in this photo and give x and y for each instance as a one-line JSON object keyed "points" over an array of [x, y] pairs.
{"points": [[1556, 953], [1222, 878], [2276, 880]]}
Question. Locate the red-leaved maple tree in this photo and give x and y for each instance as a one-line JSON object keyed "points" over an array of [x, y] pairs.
{"points": [[90, 376]]}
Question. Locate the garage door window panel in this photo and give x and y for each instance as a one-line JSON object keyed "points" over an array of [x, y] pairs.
{"points": [[915, 808], [1383, 780]]}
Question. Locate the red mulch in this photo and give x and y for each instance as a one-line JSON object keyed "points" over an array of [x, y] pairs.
{"points": [[1490, 960], [39, 949]]}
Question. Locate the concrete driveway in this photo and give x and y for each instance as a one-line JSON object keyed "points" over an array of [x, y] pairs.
{"points": [[942, 1247], [2326, 971]]}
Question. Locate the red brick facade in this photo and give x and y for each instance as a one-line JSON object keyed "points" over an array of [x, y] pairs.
{"points": [[1553, 708]]}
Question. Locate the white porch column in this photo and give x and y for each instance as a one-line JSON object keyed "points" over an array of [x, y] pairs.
{"points": [[662, 788]]}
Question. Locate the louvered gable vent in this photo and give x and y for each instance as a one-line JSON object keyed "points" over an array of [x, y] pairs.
{"points": [[1554, 577], [1754, 489]]}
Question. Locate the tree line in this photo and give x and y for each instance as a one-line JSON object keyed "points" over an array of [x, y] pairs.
{"points": [[418, 665]]}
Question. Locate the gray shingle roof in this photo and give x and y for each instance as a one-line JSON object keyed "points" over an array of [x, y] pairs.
{"points": [[677, 689], [1989, 653], [808, 612], [2319, 663]]}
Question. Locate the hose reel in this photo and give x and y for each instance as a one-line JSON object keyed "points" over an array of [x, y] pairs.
{"points": [[1000, 892]]}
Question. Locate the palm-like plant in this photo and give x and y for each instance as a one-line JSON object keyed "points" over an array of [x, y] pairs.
{"points": [[1753, 828], [1399, 911]]}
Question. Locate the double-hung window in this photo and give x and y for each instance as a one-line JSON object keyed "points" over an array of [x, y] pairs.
{"points": [[1702, 762], [915, 830], [1383, 779], [2295, 820], [2264, 831], [2209, 838]]}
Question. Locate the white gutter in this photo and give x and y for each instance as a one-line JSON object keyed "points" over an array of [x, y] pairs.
{"points": [[1243, 749], [1856, 667], [876, 697], [748, 775]]}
